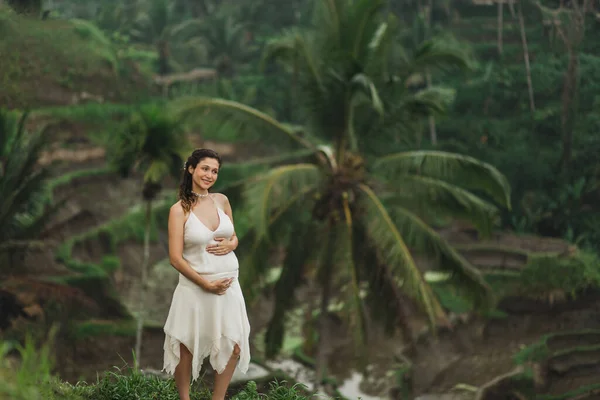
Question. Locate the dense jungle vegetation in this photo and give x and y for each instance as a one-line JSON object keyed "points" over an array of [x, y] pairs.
{"points": [[397, 168]]}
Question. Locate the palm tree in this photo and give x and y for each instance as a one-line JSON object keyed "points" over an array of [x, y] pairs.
{"points": [[153, 143], [22, 184], [24, 211], [352, 218], [157, 22]]}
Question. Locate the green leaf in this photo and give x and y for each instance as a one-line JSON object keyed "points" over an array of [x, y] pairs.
{"points": [[386, 238], [457, 169], [429, 196], [345, 260], [302, 248], [267, 195], [424, 239], [227, 112]]}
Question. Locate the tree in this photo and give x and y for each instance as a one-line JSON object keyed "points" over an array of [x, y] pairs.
{"points": [[22, 184], [25, 210], [30, 7], [569, 24], [526, 56], [500, 24], [152, 143], [348, 218]]}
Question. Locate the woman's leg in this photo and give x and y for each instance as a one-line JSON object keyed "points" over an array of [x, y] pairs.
{"points": [[183, 373], [222, 380]]}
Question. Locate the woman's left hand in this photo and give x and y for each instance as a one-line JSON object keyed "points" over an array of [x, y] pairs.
{"points": [[222, 247]]}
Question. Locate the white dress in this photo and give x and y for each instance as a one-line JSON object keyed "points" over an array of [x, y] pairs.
{"points": [[209, 325]]}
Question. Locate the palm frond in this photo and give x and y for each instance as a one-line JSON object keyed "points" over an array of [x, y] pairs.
{"points": [[186, 28], [256, 248], [385, 301], [462, 274], [384, 235], [425, 195], [362, 84], [438, 54], [247, 120], [295, 49], [302, 247], [152, 141], [361, 24], [267, 195], [23, 203], [461, 170], [156, 171], [380, 47], [344, 259], [233, 177], [430, 101]]}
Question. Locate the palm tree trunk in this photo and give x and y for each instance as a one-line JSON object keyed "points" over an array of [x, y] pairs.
{"points": [[526, 57], [568, 111], [500, 25], [432, 128], [511, 8], [162, 48], [321, 360], [144, 283]]}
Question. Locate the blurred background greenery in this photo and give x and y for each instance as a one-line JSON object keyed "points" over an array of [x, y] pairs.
{"points": [[395, 167]]}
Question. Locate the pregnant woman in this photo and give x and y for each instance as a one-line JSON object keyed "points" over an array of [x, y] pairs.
{"points": [[208, 313]]}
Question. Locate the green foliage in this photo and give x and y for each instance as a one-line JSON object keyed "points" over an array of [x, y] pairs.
{"points": [[491, 120], [94, 328], [354, 217], [23, 205], [130, 226], [571, 274], [97, 40], [151, 141], [34, 51], [30, 7], [32, 380], [69, 177]]}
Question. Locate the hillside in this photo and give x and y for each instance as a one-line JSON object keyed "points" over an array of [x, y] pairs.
{"points": [[58, 62]]}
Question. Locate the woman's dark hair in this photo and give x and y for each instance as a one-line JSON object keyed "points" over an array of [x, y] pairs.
{"points": [[185, 188]]}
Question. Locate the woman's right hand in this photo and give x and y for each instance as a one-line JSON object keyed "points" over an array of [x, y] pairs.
{"points": [[218, 287]]}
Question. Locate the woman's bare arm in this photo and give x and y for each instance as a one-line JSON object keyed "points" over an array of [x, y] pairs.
{"points": [[227, 209]]}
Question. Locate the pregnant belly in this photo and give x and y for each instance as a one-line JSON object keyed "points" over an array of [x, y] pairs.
{"points": [[226, 263]]}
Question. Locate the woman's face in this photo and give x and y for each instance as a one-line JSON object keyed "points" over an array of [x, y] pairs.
{"points": [[205, 174]]}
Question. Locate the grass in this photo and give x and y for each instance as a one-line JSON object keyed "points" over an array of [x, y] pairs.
{"points": [[100, 120], [31, 379], [94, 328], [44, 61], [89, 112]]}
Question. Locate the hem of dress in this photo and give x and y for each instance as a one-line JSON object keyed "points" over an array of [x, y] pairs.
{"points": [[170, 368]]}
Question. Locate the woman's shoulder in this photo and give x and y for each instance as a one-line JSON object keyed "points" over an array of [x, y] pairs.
{"points": [[220, 198], [177, 209]]}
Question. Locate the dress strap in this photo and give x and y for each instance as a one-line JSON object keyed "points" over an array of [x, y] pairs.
{"points": [[214, 201]]}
